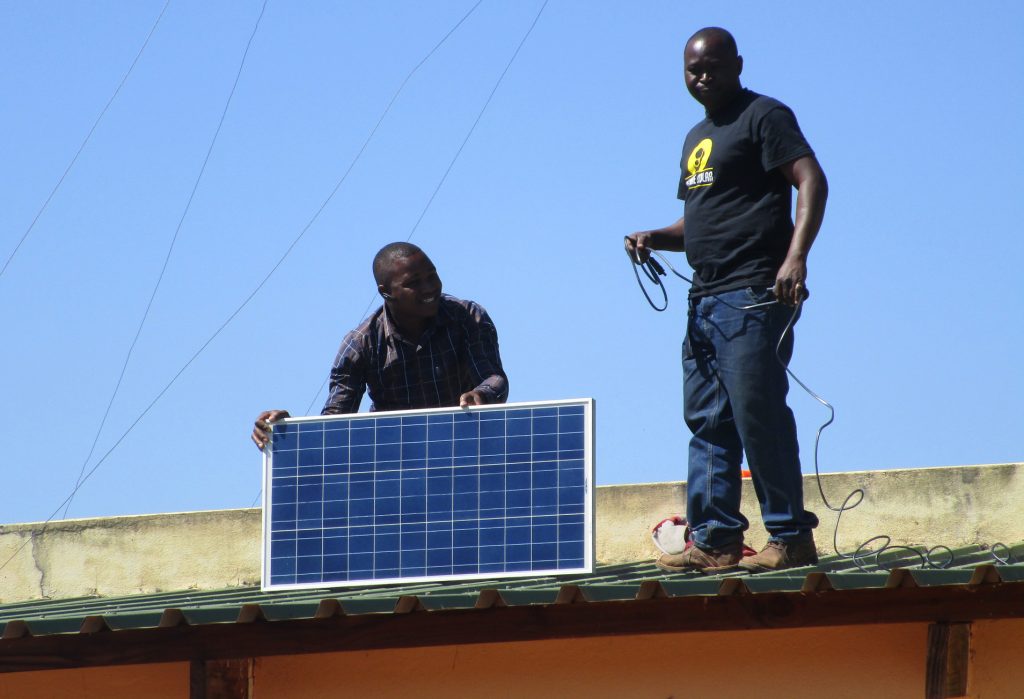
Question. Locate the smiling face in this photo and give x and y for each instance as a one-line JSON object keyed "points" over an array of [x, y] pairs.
{"points": [[413, 288], [712, 70]]}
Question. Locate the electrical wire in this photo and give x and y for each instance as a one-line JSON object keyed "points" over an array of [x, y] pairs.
{"points": [[380, 120], [448, 170], [85, 141], [167, 256], [929, 558], [84, 476], [441, 182], [82, 480]]}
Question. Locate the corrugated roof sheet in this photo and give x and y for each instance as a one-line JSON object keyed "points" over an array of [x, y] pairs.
{"points": [[896, 568]]}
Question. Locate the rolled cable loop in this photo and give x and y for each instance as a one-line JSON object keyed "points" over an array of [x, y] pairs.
{"points": [[862, 554]]}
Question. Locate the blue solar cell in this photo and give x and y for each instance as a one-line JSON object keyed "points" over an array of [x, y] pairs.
{"points": [[388, 452], [438, 558], [517, 556], [464, 556], [414, 559], [286, 437], [466, 430], [283, 548], [414, 510], [414, 433], [518, 427], [361, 435], [465, 451], [311, 457], [335, 545], [311, 440], [361, 506], [389, 509], [498, 490], [284, 567], [360, 562], [310, 511], [285, 459], [545, 425], [335, 566], [388, 434]]}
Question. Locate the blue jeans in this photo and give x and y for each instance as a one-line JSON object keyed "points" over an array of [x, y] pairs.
{"points": [[734, 402]]}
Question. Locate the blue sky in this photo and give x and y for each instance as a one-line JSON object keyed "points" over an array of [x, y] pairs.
{"points": [[913, 330]]}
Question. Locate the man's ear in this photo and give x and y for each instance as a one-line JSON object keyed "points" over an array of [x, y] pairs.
{"points": [[383, 291], [739, 65]]}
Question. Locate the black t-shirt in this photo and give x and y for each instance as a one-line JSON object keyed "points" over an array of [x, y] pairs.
{"points": [[738, 222]]}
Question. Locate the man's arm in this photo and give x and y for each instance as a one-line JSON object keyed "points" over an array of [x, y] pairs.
{"points": [[484, 361], [640, 244], [812, 191], [348, 383], [348, 377]]}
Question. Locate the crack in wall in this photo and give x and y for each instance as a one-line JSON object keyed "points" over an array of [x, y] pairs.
{"points": [[34, 547]]}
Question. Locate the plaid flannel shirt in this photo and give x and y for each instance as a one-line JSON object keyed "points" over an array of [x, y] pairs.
{"points": [[456, 354]]}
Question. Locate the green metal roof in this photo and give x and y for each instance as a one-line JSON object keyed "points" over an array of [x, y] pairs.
{"points": [[897, 568]]}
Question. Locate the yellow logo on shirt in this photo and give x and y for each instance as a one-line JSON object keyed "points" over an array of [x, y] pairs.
{"points": [[697, 165]]}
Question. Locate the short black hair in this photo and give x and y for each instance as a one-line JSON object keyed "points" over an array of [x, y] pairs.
{"points": [[388, 254], [722, 35]]}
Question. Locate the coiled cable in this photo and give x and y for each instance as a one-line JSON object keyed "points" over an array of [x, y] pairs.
{"points": [[860, 556]]}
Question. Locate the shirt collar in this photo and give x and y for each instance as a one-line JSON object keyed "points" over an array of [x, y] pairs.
{"points": [[392, 333]]}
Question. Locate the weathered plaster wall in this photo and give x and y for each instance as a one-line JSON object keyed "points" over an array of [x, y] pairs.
{"points": [[954, 506], [125, 555]]}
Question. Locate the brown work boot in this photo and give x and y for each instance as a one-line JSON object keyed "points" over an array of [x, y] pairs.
{"points": [[695, 558], [780, 555]]}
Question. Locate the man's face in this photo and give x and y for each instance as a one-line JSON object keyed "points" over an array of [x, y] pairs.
{"points": [[712, 73], [414, 287]]}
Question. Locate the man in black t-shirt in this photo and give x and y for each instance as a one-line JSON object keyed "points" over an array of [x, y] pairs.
{"points": [[739, 167]]}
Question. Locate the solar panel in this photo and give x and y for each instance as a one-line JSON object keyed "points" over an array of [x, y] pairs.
{"points": [[439, 494]]}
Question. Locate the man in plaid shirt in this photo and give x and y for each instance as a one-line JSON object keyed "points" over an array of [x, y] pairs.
{"points": [[421, 349]]}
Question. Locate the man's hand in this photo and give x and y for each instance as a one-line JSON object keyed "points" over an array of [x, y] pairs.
{"points": [[638, 245], [261, 429], [790, 282], [472, 398]]}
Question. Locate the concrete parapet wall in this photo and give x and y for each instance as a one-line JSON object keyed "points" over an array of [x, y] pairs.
{"points": [[954, 506], [125, 555]]}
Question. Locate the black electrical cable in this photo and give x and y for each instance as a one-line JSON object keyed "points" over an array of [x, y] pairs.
{"points": [[652, 270]]}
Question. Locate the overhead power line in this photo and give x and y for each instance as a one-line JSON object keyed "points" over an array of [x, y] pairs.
{"points": [[85, 141], [83, 477], [167, 256], [451, 164]]}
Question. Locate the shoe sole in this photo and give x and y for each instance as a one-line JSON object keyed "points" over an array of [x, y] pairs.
{"points": [[764, 569], [676, 569], [693, 569]]}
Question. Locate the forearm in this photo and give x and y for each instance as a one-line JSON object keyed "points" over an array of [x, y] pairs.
{"points": [[667, 238], [347, 381], [342, 400], [495, 388], [481, 356]]}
